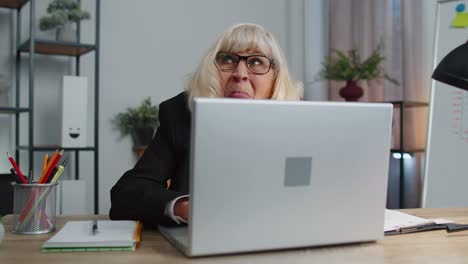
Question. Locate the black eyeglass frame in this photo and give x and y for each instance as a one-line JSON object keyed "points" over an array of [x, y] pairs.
{"points": [[244, 58]]}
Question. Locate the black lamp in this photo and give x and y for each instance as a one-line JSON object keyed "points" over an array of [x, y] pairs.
{"points": [[453, 69]]}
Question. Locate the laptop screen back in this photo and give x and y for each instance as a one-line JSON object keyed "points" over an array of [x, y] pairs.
{"points": [[276, 174]]}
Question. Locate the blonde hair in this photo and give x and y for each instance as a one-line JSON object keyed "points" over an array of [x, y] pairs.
{"points": [[238, 38]]}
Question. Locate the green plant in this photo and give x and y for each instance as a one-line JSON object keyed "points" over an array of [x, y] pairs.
{"points": [[145, 116], [60, 12], [348, 66]]}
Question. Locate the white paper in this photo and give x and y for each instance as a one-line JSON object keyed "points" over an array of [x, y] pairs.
{"points": [[395, 220], [79, 234]]}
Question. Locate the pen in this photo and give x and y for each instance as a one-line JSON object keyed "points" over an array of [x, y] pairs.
{"points": [[456, 227], [54, 172], [95, 227], [15, 176], [30, 177]]}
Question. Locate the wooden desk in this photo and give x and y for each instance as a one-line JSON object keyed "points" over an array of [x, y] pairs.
{"points": [[425, 247]]}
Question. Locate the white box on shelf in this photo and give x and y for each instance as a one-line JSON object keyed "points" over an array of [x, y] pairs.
{"points": [[73, 197], [74, 111]]}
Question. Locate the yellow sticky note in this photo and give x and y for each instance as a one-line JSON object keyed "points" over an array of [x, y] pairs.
{"points": [[460, 20]]}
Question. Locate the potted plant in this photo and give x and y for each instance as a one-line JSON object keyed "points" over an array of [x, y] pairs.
{"points": [[140, 122], [60, 13], [350, 68]]}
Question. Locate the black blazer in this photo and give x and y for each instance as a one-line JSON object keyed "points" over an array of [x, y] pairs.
{"points": [[141, 194]]}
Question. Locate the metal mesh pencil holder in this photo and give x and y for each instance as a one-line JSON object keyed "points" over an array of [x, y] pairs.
{"points": [[34, 208]]}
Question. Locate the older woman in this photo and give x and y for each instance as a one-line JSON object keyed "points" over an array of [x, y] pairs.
{"points": [[245, 62]]}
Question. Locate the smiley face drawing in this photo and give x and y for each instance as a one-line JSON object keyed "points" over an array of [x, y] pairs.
{"points": [[74, 132]]}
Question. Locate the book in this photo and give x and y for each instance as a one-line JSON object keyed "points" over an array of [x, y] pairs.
{"points": [[107, 235], [400, 223]]}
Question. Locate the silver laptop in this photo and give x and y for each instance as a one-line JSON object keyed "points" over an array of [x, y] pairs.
{"points": [[271, 175]]}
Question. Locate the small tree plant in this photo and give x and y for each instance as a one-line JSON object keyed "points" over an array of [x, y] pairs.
{"points": [[140, 122], [350, 67], [59, 12]]}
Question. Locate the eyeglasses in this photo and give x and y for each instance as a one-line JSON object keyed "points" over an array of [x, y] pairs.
{"points": [[256, 64]]}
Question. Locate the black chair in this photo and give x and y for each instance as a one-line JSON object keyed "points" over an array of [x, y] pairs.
{"points": [[6, 194]]}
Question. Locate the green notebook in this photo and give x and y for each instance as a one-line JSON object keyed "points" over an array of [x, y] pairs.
{"points": [[78, 236]]}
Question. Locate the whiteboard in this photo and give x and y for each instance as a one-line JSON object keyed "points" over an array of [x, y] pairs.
{"points": [[446, 168]]}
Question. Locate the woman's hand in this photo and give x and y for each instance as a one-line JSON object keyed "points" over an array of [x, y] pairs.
{"points": [[182, 207]]}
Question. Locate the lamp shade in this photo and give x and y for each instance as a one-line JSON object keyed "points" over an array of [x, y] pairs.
{"points": [[453, 69]]}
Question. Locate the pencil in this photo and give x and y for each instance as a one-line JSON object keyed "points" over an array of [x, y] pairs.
{"points": [[18, 171], [137, 232], [49, 163], [52, 165], [44, 167], [49, 159]]}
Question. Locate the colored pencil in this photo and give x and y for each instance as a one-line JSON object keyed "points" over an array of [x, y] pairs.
{"points": [[17, 169], [52, 164], [44, 166]]}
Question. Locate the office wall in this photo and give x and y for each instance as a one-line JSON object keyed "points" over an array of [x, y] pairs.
{"points": [[149, 48]]}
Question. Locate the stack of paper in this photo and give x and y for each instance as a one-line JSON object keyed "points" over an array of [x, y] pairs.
{"points": [[110, 236], [399, 222]]}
